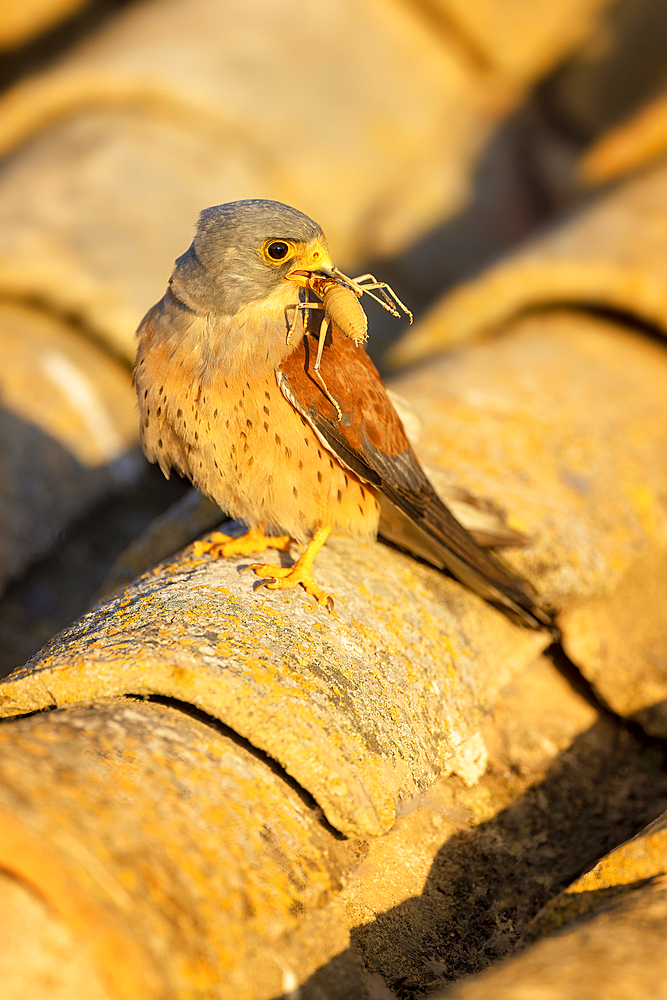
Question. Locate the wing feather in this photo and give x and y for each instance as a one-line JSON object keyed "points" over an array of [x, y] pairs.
{"points": [[370, 440]]}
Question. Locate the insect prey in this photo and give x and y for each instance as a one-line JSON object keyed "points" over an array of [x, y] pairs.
{"points": [[339, 298]]}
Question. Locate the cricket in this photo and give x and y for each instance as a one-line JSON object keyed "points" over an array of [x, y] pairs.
{"points": [[339, 297]]}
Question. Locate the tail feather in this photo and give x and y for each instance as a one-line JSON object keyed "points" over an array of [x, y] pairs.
{"points": [[435, 535]]}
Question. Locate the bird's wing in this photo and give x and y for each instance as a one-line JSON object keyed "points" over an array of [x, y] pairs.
{"points": [[369, 439]]}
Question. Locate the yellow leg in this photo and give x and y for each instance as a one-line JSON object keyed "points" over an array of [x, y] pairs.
{"points": [[283, 578], [254, 540]]}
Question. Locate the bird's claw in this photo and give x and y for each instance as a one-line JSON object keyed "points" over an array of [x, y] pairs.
{"points": [[255, 540], [284, 578]]}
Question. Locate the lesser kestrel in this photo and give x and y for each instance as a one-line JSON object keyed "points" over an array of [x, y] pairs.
{"points": [[227, 401]]}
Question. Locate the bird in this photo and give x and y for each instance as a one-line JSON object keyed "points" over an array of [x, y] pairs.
{"points": [[229, 398]]}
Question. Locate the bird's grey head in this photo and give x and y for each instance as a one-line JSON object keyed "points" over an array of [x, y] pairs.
{"points": [[243, 251]]}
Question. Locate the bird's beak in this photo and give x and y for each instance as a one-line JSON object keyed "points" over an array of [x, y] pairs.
{"points": [[315, 260]]}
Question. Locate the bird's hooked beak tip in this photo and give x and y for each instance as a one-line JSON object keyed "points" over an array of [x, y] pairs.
{"points": [[315, 261]]}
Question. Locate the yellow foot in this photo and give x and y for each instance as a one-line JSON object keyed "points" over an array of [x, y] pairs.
{"points": [[284, 578], [254, 540]]}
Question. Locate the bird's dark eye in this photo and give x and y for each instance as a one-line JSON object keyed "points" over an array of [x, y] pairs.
{"points": [[277, 250]]}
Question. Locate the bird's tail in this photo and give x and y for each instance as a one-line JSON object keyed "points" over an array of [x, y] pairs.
{"points": [[434, 534]]}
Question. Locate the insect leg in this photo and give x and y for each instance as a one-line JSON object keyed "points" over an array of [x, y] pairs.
{"points": [[389, 299], [302, 307], [387, 293], [296, 307], [363, 277], [324, 329]]}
